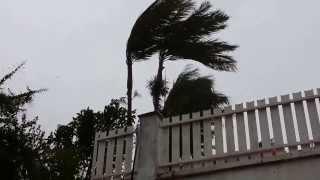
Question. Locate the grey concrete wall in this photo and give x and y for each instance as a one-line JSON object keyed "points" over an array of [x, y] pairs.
{"points": [[297, 169], [147, 153]]}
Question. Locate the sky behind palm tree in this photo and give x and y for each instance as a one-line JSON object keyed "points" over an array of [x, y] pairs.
{"points": [[76, 49]]}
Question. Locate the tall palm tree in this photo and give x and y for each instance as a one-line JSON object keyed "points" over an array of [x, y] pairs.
{"points": [[189, 38], [147, 32], [192, 92]]}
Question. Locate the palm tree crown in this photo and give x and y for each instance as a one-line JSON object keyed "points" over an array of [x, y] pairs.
{"points": [[186, 34], [192, 92]]}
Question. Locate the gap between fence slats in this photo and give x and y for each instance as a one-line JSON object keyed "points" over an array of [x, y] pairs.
{"points": [[242, 145]]}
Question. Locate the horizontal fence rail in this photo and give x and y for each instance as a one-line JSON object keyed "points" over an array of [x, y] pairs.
{"points": [[254, 132], [112, 156]]}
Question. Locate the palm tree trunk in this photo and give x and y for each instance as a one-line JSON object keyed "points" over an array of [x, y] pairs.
{"points": [[129, 89], [158, 84]]}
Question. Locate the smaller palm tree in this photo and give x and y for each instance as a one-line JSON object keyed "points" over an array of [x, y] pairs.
{"points": [[192, 92]]}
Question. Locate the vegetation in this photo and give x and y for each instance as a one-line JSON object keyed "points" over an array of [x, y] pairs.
{"points": [[177, 30], [66, 154], [192, 92], [22, 141]]}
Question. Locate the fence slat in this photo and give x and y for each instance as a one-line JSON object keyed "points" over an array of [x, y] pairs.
{"points": [[94, 161], [288, 120], [164, 143], [276, 124], [109, 161], [314, 118], [196, 137], [100, 157], [301, 119], [175, 141], [186, 153], [119, 153], [129, 151], [241, 128], [207, 137], [252, 124], [264, 128], [229, 131]]}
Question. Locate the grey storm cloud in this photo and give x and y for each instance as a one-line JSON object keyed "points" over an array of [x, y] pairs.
{"points": [[76, 49]]}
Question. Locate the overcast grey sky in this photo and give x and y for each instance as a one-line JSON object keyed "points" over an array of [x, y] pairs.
{"points": [[76, 49]]}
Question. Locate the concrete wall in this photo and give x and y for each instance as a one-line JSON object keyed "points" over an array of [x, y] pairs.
{"points": [[148, 141], [297, 169]]}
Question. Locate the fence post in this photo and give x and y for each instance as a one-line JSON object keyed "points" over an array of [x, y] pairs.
{"points": [[148, 145]]}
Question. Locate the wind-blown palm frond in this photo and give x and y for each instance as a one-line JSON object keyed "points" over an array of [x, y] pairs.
{"points": [[210, 53], [192, 92], [148, 31], [200, 23], [190, 39]]}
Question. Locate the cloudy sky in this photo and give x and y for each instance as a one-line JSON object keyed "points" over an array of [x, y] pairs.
{"points": [[76, 49]]}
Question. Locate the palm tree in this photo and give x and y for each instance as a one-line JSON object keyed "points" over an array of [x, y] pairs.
{"points": [[177, 30], [192, 92], [189, 38], [147, 33]]}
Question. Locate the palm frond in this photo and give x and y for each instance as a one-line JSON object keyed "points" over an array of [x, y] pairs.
{"points": [[147, 31], [192, 92], [201, 23], [212, 53]]}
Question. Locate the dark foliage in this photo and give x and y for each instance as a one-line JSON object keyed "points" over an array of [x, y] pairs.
{"points": [[192, 92], [74, 142], [22, 142], [114, 115], [66, 154], [147, 31], [63, 158]]}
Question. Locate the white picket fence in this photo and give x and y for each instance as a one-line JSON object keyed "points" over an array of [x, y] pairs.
{"points": [[245, 134], [112, 156], [250, 133]]}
